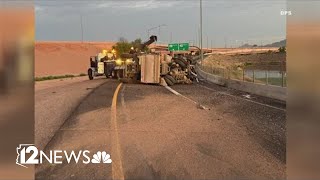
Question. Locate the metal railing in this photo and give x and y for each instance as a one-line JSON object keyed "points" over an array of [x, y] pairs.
{"points": [[267, 77]]}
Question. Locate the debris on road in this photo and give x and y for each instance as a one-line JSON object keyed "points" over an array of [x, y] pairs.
{"points": [[202, 107]]}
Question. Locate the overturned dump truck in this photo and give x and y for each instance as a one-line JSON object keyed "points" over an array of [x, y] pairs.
{"points": [[153, 67], [162, 69]]}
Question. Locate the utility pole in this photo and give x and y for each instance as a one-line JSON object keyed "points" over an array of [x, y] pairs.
{"points": [[201, 52], [81, 29]]}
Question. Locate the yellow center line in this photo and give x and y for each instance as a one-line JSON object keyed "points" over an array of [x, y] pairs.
{"points": [[117, 170]]}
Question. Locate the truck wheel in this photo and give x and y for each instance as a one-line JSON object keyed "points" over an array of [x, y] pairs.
{"points": [[169, 80], [90, 74], [181, 63], [114, 74], [120, 73]]}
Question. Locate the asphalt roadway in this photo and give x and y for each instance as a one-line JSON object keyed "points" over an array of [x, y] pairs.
{"points": [[198, 131]]}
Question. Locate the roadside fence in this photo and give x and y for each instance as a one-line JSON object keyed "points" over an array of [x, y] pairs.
{"points": [[259, 76]]}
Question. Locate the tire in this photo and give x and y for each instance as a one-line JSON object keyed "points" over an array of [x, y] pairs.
{"points": [[170, 83], [90, 74], [169, 80], [139, 76], [181, 63], [120, 73], [114, 74], [106, 72]]}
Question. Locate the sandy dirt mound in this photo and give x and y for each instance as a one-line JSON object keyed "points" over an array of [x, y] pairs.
{"points": [[270, 59], [60, 58]]}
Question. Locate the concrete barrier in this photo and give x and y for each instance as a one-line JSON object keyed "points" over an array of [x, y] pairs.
{"points": [[212, 78], [270, 91]]}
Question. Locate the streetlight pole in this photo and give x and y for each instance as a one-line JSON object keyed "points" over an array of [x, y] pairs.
{"points": [[148, 31], [201, 52], [160, 30]]}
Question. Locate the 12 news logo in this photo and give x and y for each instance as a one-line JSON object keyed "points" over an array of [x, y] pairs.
{"points": [[28, 154]]}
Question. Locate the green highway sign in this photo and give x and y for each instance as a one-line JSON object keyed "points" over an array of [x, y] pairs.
{"points": [[178, 47], [173, 47], [183, 46]]}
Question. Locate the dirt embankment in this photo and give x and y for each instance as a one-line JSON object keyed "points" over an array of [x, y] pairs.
{"points": [[272, 60], [60, 58], [233, 51]]}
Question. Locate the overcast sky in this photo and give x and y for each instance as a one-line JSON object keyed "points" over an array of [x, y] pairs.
{"points": [[231, 21]]}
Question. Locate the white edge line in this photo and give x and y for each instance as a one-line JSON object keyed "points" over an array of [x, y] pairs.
{"points": [[173, 91], [178, 94]]}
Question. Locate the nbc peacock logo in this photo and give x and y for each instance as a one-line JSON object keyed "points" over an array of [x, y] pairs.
{"points": [[101, 157]]}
